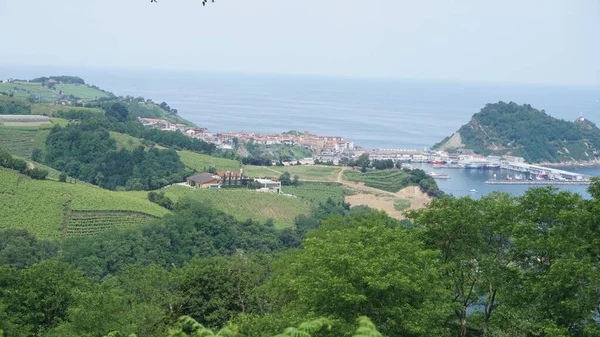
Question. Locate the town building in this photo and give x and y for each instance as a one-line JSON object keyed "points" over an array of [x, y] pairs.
{"points": [[204, 180]]}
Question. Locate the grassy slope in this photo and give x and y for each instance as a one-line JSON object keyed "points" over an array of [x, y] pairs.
{"points": [[38, 206], [201, 162], [84, 92], [304, 172], [50, 109], [316, 192], [125, 141], [154, 111], [246, 204]]}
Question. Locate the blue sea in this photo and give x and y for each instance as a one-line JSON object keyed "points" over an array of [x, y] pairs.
{"points": [[375, 113]]}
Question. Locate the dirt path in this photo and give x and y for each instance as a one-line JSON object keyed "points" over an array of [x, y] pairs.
{"points": [[270, 169], [340, 178]]}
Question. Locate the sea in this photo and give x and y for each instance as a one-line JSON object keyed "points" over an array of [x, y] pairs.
{"points": [[375, 113]]}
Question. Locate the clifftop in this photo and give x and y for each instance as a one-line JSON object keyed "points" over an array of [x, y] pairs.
{"points": [[511, 129]]}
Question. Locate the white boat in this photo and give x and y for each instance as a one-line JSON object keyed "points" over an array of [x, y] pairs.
{"points": [[473, 190]]}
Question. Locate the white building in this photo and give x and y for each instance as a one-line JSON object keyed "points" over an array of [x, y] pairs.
{"points": [[269, 185]]}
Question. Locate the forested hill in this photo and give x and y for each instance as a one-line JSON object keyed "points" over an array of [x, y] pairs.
{"points": [[520, 130]]}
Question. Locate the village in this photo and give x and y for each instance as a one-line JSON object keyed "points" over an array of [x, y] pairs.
{"points": [[335, 146], [334, 149]]}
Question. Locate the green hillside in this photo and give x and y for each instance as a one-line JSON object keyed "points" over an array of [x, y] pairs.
{"points": [[124, 141], [154, 111], [50, 109], [39, 206], [81, 91], [520, 130], [37, 91], [202, 162], [245, 204]]}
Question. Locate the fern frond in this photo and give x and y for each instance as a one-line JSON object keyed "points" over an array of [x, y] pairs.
{"points": [[366, 328], [306, 329]]}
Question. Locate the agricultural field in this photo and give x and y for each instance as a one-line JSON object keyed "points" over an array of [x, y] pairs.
{"points": [[39, 206], [125, 141], [51, 109], [246, 204], [94, 222], [81, 91], [27, 89], [304, 172], [202, 162], [388, 180], [20, 141], [316, 192]]}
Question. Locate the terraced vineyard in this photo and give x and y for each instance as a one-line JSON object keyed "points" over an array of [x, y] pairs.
{"points": [[316, 192], [83, 223], [39, 206], [388, 180], [20, 141]]}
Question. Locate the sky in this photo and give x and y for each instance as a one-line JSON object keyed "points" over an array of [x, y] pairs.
{"points": [[525, 41]]}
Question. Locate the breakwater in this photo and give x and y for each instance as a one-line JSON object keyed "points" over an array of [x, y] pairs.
{"points": [[534, 182]]}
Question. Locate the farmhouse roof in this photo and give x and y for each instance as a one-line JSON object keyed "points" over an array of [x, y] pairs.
{"points": [[202, 178]]}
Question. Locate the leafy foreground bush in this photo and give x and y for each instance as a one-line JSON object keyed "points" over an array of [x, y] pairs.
{"points": [[188, 327]]}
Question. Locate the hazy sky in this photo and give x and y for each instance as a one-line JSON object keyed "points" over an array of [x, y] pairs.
{"points": [[545, 41]]}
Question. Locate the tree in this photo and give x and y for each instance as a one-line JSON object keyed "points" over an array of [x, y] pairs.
{"points": [[363, 160], [118, 111], [214, 290], [285, 179], [473, 237], [38, 297], [364, 264]]}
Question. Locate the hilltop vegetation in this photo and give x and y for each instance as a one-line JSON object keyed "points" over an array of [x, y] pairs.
{"points": [[40, 206], [520, 130]]}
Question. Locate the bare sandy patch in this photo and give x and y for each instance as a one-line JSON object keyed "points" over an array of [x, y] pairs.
{"points": [[385, 201]]}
